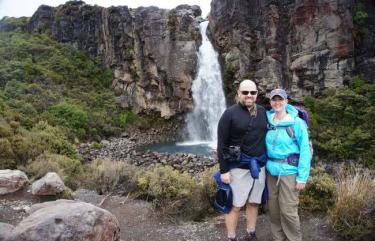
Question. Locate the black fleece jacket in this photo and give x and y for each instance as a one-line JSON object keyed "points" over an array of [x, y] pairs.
{"points": [[232, 128]]}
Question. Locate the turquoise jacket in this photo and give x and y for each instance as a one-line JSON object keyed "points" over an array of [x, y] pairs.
{"points": [[280, 145]]}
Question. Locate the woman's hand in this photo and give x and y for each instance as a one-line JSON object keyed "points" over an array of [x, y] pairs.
{"points": [[300, 186], [225, 177]]}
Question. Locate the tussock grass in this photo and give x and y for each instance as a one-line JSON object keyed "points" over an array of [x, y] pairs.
{"points": [[353, 215], [108, 176]]}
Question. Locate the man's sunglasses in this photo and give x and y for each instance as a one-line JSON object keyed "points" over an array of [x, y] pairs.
{"points": [[252, 92]]}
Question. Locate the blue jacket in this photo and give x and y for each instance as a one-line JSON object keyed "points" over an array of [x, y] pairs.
{"points": [[224, 196], [280, 145]]}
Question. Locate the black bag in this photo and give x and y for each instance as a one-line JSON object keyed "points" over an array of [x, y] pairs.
{"points": [[232, 154]]}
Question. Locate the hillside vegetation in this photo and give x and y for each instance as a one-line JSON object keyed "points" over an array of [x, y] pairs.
{"points": [[51, 96]]}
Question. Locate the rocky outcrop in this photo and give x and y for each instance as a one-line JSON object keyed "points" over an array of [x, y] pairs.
{"points": [[302, 45], [151, 51], [50, 184], [12, 180], [67, 220]]}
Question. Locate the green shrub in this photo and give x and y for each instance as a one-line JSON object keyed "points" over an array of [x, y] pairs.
{"points": [[353, 214], [201, 204], [66, 194], [44, 137], [352, 134], [319, 192], [5, 129], [360, 15], [70, 170], [107, 176], [72, 116], [7, 158], [168, 189]]}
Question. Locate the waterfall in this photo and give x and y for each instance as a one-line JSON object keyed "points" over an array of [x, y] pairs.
{"points": [[208, 95]]}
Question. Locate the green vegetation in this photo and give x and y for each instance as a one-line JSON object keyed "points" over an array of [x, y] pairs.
{"points": [[178, 193], [166, 187], [341, 126], [360, 15], [51, 97], [319, 192], [68, 169]]}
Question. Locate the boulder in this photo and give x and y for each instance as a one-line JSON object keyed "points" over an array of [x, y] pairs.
{"points": [[50, 184], [67, 220], [5, 231], [12, 180]]}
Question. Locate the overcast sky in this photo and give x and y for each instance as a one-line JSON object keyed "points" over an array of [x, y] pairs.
{"points": [[18, 8]]}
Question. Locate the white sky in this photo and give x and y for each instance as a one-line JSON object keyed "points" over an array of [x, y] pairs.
{"points": [[18, 8]]}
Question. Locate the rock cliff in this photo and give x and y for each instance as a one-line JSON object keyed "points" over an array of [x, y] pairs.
{"points": [[151, 51], [302, 45]]}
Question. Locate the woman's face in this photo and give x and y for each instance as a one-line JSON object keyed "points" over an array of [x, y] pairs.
{"points": [[278, 104]]}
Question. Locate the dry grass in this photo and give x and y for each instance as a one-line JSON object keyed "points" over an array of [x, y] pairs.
{"points": [[108, 176], [353, 215]]}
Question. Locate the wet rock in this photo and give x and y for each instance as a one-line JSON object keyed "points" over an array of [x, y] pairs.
{"points": [[50, 184], [12, 180], [67, 220]]}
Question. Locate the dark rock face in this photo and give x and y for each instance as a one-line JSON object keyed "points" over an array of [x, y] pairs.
{"points": [[151, 51], [302, 45], [365, 42]]}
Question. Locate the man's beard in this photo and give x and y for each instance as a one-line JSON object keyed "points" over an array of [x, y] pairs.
{"points": [[247, 104], [250, 106]]}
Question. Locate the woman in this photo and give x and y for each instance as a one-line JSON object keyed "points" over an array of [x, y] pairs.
{"points": [[288, 166]]}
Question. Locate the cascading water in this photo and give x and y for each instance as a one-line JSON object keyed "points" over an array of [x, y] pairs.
{"points": [[208, 95], [209, 104]]}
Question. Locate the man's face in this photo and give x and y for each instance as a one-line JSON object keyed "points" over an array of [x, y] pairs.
{"points": [[247, 94]]}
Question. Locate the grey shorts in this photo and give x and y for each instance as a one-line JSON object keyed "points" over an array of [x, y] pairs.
{"points": [[242, 184]]}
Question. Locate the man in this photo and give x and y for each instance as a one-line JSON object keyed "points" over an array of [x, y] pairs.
{"points": [[244, 124]]}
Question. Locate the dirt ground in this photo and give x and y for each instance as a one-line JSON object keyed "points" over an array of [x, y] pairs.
{"points": [[139, 222]]}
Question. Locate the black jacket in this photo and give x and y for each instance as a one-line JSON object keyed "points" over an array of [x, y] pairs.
{"points": [[232, 127]]}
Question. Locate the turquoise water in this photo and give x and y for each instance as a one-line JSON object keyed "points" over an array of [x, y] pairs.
{"points": [[197, 148]]}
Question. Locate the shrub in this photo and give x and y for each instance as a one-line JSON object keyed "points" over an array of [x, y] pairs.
{"points": [[72, 116], [44, 137], [168, 189], [319, 192], [202, 202], [108, 176], [5, 129], [360, 15], [353, 215], [7, 158], [352, 135], [66, 194], [68, 169]]}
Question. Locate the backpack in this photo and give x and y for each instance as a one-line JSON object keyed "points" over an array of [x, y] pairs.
{"points": [[302, 113]]}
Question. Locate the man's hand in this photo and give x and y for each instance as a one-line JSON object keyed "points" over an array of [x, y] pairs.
{"points": [[300, 186], [225, 177]]}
